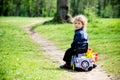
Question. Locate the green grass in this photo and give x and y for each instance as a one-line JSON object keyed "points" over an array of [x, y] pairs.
{"points": [[20, 57], [104, 38]]}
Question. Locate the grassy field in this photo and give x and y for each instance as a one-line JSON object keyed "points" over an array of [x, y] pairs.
{"points": [[20, 57], [104, 38]]}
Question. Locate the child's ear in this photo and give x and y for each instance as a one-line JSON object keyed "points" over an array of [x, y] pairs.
{"points": [[82, 25]]}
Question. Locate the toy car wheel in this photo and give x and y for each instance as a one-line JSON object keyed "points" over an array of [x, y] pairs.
{"points": [[94, 65], [85, 64], [90, 69]]}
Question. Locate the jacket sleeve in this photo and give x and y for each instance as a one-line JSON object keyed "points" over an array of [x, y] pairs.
{"points": [[76, 40]]}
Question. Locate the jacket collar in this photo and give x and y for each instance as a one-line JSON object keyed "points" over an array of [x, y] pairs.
{"points": [[79, 29]]}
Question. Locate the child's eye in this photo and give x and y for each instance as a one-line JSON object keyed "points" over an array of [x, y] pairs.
{"points": [[75, 23]]}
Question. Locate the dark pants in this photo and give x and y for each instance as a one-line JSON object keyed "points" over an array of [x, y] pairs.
{"points": [[71, 51], [68, 55]]}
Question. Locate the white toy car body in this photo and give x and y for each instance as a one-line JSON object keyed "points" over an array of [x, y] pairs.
{"points": [[80, 62]]}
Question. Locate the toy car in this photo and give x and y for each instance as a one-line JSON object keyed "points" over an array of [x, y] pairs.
{"points": [[81, 63], [84, 61]]}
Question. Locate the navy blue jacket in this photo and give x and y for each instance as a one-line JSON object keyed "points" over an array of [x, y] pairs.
{"points": [[80, 40]]}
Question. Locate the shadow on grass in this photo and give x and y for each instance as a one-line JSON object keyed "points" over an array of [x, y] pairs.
{"points": [[59, 69], [75, 71]]}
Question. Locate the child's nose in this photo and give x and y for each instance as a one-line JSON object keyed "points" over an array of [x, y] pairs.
{"points": [[76, 24]]}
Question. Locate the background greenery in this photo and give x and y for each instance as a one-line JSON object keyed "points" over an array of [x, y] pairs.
{"points": [[102, 8]]}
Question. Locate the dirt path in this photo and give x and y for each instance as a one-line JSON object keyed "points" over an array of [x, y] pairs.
{"points": [[57, 55]]}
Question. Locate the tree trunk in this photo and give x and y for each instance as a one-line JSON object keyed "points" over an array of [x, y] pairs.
{"points": [[18, 8], [62, 15]]}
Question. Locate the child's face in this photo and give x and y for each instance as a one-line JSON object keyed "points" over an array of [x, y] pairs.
{"points": [[78, 25]]}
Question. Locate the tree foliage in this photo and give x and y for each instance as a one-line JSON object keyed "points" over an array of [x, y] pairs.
{"points": [[27, 8], [102, 8]]}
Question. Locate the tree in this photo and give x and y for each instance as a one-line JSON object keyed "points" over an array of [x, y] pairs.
{"points": [[47, 8], [62, 15]]}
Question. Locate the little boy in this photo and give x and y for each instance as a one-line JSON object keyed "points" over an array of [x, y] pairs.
{"points": [[80, 40]]}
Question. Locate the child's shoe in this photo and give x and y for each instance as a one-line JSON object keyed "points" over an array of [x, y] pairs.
{"points": [[65, 66]]}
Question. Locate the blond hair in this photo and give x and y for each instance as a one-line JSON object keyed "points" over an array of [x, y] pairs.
{"points": [[82, 19]]}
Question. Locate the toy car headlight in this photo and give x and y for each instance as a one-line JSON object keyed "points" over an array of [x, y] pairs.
{"points": [[77, 60], [85, 64]]}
